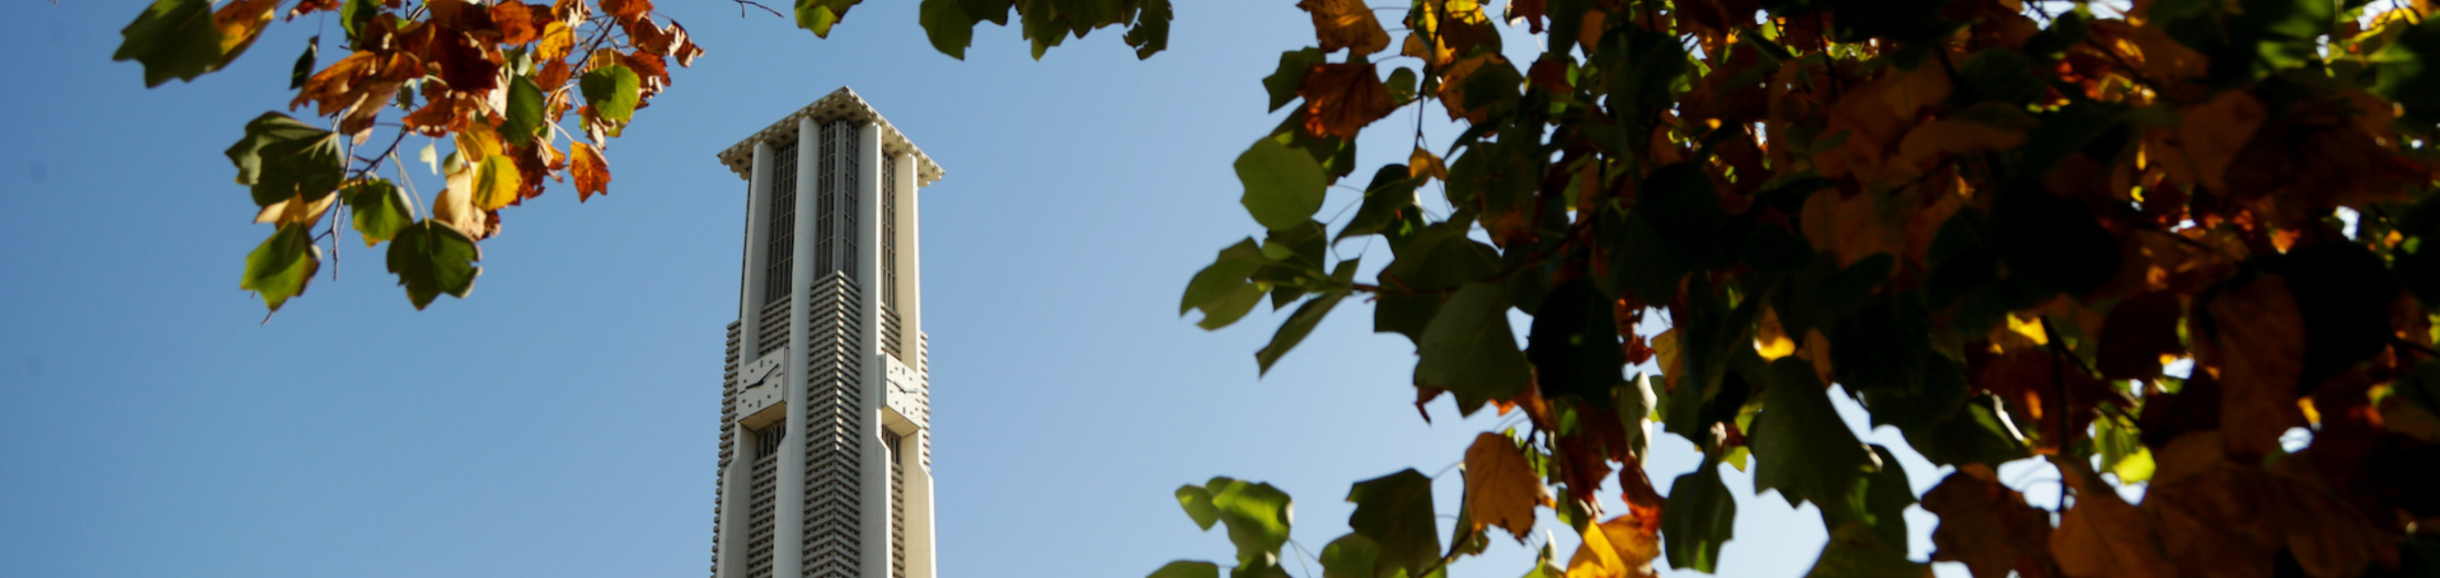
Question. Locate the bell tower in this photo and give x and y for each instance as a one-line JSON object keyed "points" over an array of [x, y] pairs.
{"points": [[825, 437]]}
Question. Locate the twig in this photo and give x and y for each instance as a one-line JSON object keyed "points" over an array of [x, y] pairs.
{"points": [[742, 4]]}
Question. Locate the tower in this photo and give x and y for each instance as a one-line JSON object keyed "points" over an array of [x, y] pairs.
{"points": [[825, 440]]}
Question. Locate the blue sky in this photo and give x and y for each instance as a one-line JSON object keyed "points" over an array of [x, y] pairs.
{"points": [[562, 421]]}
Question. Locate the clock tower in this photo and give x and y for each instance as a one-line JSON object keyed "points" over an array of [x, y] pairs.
{"points": [[825, 436]]}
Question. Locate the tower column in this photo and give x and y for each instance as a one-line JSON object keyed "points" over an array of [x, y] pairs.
{"points": [[875, 458], [729, 549], [788, 515]]}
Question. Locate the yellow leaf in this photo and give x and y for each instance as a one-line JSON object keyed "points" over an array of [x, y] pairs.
{"points": [[455, 205], [557, 41], [295, 210], [1770, 340], [1346, 24], [240, 22], [1423, 163], [495, 182], [1501, 489], [1620, 548], [591, 172], [478, 142], [1665, 355]]}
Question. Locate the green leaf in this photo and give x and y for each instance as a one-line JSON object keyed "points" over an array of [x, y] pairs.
{"points": [[1222, 290], [1391, 192], [495, 182], [282, 266], [431, 258], [304, 67], [1395, 512], [1977, 433], [1290, 76], [524, 117], [1350, 556], [1283, 187], [946, 23], [1877, 501], [381, 209], [1256, 515], [1856, 551], [1438, 259], [1804, 450], [819, 15], [1700, 517], [1301, 323], [173, 39], [613, 91], [2122, 450], [282, 158], [2408, 72], [1573, 344], [1187, 569], [1401, 86], [1470, 350], [355, 14], [1150, 33], [1198, 504]]}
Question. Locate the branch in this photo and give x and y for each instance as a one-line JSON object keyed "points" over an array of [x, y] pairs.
{"points": [[742, 4]]}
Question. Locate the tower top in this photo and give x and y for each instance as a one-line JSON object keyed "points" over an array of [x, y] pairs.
{"points": [[839, 104]]}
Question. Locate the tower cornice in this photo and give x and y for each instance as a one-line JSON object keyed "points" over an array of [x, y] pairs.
{"points": [[841, 103]]}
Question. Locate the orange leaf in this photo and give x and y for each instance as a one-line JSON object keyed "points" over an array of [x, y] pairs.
{"points": [[2256, 347], [240, 22], [357, 87], [627, 11], [1341, 98], [591, 172], [1988, 526], [518, 21], [1501, 489], [1423, 163], [1620, 548], [1346, 24]]}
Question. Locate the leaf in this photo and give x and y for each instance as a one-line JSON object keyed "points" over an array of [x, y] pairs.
{"points": [[1301, 323], [1391, 193], [1221, 290], [1340, 99], [591, 172], [1198, 504], [1469, 349], [612, 91], [281, 158], [523, 120], [1350, 556], [1856, 551], [2137, 333], [1701, 516], [1285, 83], [1346, 24], [431, 258], [304, 66], [1395, 511], [2103, 536], [1150, 32], [1256, 515], [381, 209], [172, 39], [1804, 450], [2255, 341], [240, 23], [945, 22], [281, 267], [1620, 548], [2198, 151], [496, 181], [1501, 489], [1573, 344], [819, 15], [1187, 569], [1283, 187], [1988, 526]]}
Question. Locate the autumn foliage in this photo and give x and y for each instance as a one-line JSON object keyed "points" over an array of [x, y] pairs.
{"points": [[2178, 245], [2181, 245]]}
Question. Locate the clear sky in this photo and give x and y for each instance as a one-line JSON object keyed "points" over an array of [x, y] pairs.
{"points": [[562, 421]]}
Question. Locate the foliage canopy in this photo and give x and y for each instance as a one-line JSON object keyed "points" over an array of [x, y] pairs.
{"points": [[2148, 243]]}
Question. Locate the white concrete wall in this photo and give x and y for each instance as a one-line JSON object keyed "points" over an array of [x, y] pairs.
{"points": [[789, 507]]}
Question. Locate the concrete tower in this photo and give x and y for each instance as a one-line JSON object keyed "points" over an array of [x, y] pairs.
{"points": [[825, 437]]}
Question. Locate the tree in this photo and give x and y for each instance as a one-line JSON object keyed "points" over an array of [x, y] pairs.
{"points": [[2004, 229]]}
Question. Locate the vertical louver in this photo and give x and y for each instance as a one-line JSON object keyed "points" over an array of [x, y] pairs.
{"points": [[781, 234]]}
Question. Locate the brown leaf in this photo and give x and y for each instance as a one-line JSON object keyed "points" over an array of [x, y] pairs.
{"points": [[591, 172], [2206, 139], [1988, 526], [2255, 345], [1954, 136], [683, 46], [1346, 24], [2151, 50], [2316, 158], [465, 63], [627, 11], [2038, 383], [1501, 489], [2103, 536], [1341, 98], [1425, 164], [357, 87], [1452, 86], [294, 210], [2138, 332], [2229, 519], [240, 22], [1623, 547]]}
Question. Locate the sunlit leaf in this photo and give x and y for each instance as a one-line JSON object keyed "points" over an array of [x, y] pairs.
{"points": [[282, 266], [431, 258]]}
